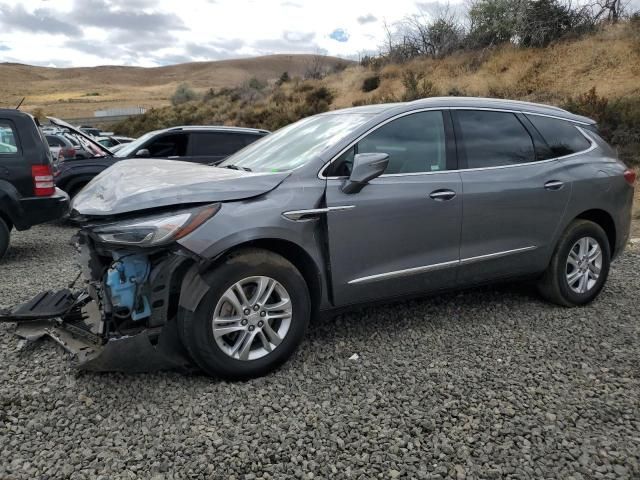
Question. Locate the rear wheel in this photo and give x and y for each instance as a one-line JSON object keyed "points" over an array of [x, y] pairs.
{"points": [[252, 318], [579, 266], [5, 237]]}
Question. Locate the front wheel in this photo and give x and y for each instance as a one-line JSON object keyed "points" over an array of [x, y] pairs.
{"points": [[579, 266], [252, 318]]}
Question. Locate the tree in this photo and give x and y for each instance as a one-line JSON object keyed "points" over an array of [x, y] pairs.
{"points": [[493, 22]]}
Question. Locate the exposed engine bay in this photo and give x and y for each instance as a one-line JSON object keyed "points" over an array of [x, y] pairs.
{"points": [[121, 314]]}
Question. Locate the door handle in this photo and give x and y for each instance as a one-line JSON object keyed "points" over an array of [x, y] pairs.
{"points": [[553, 185], [442, 195]]}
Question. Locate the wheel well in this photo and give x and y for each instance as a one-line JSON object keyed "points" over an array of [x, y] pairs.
{"points": [[603, 219], [298, 257]]}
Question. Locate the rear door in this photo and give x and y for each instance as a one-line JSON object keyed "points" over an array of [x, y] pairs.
{"points": [[14, 167], [401, 233], [514, 195]]}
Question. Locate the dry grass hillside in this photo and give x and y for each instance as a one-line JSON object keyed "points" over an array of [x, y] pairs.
{"points": [[608, 60], [77, 92]]}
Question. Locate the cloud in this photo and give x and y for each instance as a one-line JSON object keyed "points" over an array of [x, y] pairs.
{"points": [[289, 42], [368, 18], [216, 50], [290, 4], [4, 48], [99, 13], [339, 35], [42, 20]]}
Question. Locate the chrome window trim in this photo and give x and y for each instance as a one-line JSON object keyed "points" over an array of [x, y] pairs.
{"points": [[592, 147], [438, 266]]}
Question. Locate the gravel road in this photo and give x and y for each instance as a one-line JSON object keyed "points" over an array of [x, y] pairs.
{"points": [[489, 383]]}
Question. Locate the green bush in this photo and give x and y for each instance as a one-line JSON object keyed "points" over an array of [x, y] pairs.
{"points": [[183, 94], [416, 86], [369, 84]]}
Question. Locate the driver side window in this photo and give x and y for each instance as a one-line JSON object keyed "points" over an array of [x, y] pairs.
{"points": [[415, 144]]}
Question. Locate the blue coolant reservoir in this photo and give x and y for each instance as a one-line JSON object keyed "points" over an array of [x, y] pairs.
{"points": [[124, 280]]}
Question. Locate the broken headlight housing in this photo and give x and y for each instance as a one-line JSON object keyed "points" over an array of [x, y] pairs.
{"points": [[155, 230]]}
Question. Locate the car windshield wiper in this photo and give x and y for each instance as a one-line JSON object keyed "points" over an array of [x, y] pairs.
{"points": [[236, 167]]}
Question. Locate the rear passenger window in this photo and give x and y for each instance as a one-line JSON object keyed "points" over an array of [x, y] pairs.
{"points": [[8, 138], [562, 137], [217, 143], [493, 139]]}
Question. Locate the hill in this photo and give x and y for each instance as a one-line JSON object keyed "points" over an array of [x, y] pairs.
{"points": [[77, 92]]}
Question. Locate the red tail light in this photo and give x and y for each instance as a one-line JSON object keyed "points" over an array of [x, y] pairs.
{"points": [[630, 176], [42, 180]]}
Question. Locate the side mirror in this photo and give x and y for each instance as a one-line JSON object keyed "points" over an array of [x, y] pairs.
{"points": [[143, 153], [366, 167]]}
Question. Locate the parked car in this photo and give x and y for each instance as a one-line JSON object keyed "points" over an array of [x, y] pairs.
{"points": [[200, 144], [344, 208], [113, 140], [191, 144], [60, 146], [27, 192]]}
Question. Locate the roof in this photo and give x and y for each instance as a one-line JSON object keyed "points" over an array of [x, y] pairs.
{"points": [[470, 102], [218, 128]]}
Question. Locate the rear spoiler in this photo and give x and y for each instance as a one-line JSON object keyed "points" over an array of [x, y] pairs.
{"points": [[62, 123]]}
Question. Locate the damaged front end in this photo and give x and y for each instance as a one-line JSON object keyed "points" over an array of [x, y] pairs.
{"points": [[123, 314]]}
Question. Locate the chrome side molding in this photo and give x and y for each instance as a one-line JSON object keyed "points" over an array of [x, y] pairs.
{"points": [[404, 273], [312, 213], [438, 266], [491, 256]]}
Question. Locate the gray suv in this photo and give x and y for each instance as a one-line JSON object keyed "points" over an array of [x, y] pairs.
{"points": [[223, 266]]}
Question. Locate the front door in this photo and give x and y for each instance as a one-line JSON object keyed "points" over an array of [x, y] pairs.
{"points": [[400, 234]]}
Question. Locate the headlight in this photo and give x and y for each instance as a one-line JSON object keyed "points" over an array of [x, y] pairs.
{"points": [[156, 230]]}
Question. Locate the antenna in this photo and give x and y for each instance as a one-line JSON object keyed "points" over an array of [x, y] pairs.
{"points": [[18, 107]]}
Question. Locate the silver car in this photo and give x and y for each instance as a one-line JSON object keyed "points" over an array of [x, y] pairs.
{"points": [[222, 268]]}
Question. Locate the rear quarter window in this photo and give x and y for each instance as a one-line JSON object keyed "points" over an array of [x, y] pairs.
{"points": [[562, 136], [9, 144]]}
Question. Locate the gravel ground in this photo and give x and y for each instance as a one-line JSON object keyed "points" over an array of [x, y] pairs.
{"points": [[490, 383]]}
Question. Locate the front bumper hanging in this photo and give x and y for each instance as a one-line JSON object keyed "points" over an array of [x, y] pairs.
{"points": [[73, 320]]}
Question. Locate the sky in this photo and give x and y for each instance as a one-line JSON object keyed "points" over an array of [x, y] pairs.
{"points": [[66, 33]]}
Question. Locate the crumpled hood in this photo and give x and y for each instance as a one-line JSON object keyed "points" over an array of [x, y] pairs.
{"points": [[140, 184]]}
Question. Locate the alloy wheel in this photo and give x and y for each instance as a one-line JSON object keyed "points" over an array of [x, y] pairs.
{"points": [[584, 264], [252, 318]]}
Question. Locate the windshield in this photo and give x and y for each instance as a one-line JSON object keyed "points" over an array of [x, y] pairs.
{"points": [[131, 148], [294, 145]]}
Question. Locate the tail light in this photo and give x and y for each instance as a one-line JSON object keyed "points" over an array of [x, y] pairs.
{"points": [[42, 180], [630, 176]]}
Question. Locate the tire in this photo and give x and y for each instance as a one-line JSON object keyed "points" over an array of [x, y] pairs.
{"points": [[227, 356], [5, 237], [564, 282]]}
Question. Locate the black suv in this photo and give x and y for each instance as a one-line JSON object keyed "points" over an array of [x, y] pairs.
{"points": [[27, 193], [199, 144]]}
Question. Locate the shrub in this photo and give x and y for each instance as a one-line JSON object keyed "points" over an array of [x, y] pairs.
{"points": [[369, 84], [256, 84], [284, 78], [416, 86], [618, 121], [183, 94]]}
